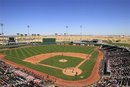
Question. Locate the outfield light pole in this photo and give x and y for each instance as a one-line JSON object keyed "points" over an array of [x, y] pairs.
{"points": [[2, 28], [67, 29], [81, 32], [66, 32], [28, 33], [28, 29], [2, 32]]}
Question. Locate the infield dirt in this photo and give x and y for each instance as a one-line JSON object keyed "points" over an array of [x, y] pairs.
{"points": [[93, 78]]}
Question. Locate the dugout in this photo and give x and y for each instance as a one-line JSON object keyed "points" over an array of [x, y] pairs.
{"points": [[48, 41]]}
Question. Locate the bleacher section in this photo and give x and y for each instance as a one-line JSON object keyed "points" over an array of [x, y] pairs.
{"points": [[12, 77], [119, 67]]}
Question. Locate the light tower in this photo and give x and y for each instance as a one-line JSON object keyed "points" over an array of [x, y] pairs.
{"points": [[81, 32], [2, 34], [66, 32], [28, 34], [28, 29], [2, 28]]}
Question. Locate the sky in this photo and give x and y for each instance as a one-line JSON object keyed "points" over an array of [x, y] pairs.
{"points": [[97, 17]]}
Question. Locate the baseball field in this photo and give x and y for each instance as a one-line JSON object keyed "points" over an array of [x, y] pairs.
{"points": [[71, 63]]}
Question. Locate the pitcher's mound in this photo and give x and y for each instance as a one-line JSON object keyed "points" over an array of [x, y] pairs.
{"points": [[72, 71], [63, 60]]}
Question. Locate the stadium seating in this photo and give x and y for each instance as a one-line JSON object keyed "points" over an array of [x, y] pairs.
{"points": [[12, 77], [119, 65]]}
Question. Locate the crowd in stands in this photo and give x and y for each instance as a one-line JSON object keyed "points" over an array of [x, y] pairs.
{"points": [[118, 64], [14, 77]]}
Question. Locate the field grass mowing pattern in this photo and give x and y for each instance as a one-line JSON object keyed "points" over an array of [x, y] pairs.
{"points": [[17, 55], [54, 61]]}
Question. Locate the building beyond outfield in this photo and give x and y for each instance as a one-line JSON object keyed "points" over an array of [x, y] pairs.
{"points": [[60, 38]]}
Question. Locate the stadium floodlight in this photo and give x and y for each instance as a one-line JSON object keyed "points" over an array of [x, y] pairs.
{"points": [[80, 29], [2, 28], [67, 30], [66, 26], [28, 26], [28, 29], [81, 32], [2, 32]]}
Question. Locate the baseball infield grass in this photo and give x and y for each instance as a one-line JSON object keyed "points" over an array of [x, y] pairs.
{"points": [[54, 61], [17, 55]]}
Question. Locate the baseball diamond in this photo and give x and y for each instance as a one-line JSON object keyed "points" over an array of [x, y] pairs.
{"points": [[79, 65], [64, 43]]}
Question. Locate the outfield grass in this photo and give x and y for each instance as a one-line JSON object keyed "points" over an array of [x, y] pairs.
{"points": [[90, 63], [17, 55], [54, 61]]}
